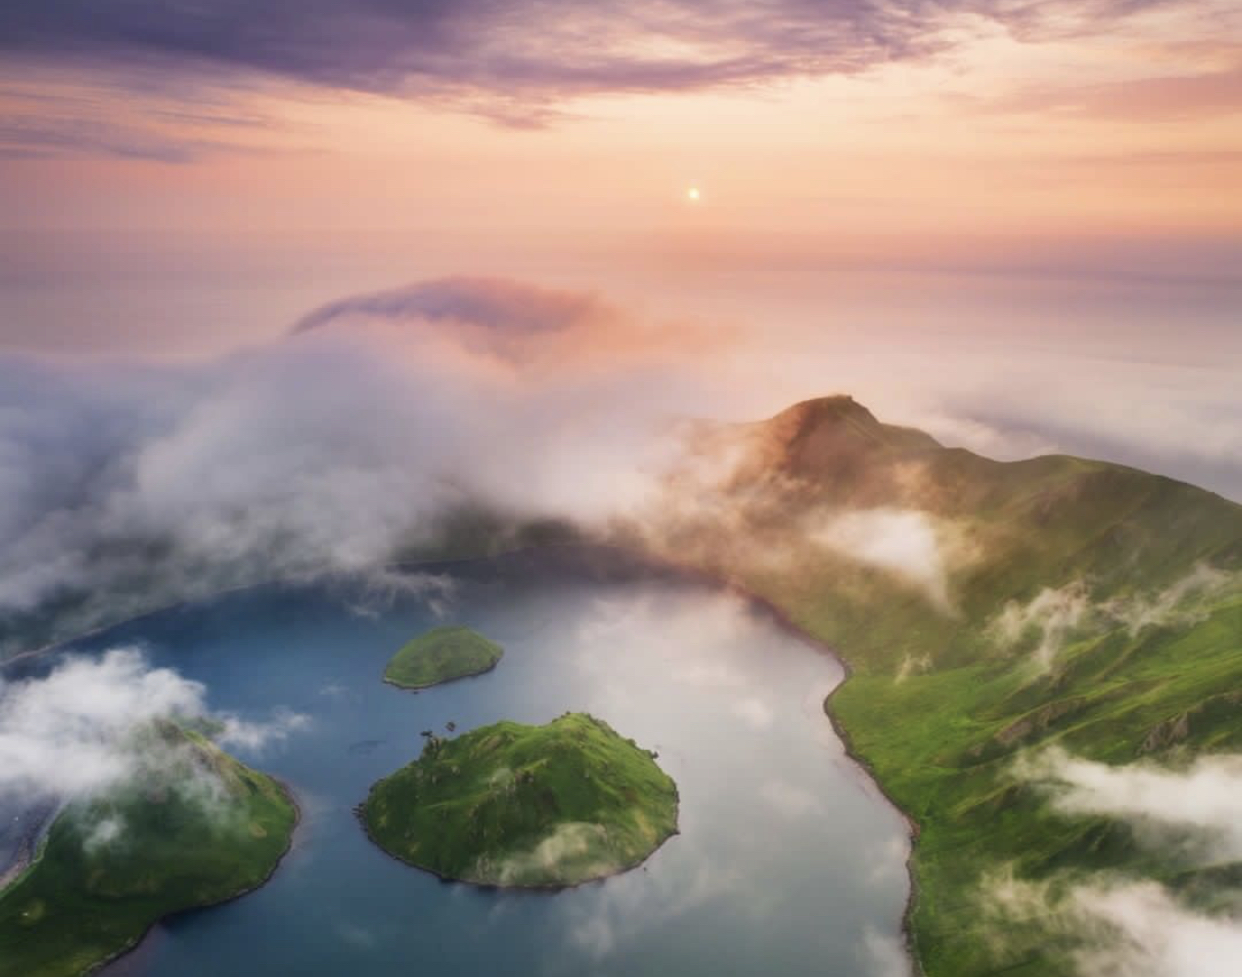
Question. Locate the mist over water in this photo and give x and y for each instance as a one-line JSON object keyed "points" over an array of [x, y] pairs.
{"points": [[1108, 350], [788, 862]]}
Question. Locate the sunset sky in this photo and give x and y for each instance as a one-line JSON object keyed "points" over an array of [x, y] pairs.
{"points": [[823, 128], [922, 203], [323, 322]]}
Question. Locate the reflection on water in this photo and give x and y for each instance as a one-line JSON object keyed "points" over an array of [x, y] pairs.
{"points": [[788, 861]]}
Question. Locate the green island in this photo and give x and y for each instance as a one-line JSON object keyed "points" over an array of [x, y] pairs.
{"points": [[1086, 604], [200, 830], [441, 655], [511, 805]]}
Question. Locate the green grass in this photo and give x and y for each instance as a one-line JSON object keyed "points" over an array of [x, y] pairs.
{"points": [[526, 806], [932, 741], [178, 848], [441, 655], [942, 739]]}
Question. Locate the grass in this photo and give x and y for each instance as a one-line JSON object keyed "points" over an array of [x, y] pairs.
{"points": [[441, 655], [526, 806], [201, 831], [942, 737], [932, 741]]}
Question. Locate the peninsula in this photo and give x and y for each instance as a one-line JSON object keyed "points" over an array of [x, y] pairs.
{"points": [[195, 828]]}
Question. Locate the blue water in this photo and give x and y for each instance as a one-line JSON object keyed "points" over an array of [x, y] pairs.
{"points": [[789, 862]]}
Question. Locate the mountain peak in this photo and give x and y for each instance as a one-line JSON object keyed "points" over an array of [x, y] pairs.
{"points": [[838, 405], [842, 422]]}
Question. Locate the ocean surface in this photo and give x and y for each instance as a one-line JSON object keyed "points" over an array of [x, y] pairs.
{"points": [[789, 860]]}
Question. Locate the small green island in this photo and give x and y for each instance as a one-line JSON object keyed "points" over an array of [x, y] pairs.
{"points": [[441, 655], [517, 806], [194, 829]]}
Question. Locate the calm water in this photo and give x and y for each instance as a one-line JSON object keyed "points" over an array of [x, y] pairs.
{"points": [[789, 861]]}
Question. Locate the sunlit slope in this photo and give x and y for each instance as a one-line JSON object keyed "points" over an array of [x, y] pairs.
{"points": [[1004, 531], [526, 806], [197, 828], [1075, 601]]}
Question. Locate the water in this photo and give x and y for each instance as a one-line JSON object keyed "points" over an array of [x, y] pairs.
{"points": [[789, 861]]}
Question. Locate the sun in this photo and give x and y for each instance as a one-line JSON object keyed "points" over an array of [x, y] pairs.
{"points": [[692, 194]]}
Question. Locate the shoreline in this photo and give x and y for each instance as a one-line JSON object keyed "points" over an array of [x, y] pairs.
{"points": [[912, 826], [294, 580], [549, 889], [783, 620], [97, 969], [30, 849], [445, 681], [715, 579]]}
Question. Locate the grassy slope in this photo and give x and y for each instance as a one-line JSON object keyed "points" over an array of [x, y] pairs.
{"points": [[530, 806], [942, 741], [76, 906], [441, 655]]}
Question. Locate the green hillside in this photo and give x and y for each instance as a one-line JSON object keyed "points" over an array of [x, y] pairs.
{"points": [[526, 806], [441, 655], [948, 686], [202, 829]]}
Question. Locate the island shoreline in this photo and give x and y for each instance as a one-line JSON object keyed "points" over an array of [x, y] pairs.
{"points": [[783, 621], [717, 580], [405, 687], [448, 681], [99, 969], [359, 812]]}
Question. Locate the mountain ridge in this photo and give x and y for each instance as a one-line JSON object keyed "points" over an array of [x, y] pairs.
{"points": [[1123, 591], [986, 609]]}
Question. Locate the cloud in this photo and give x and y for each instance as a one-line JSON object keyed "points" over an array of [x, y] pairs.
{"points": [[1052, 614], [1154, 936], [353, 440], [1140, 100], [103, 833], [515, 61], [53, 112], [1120, 927], [1126, 927], [1200, 804], [67, 734], [1179, 604], [489, 310], [572, 843], [124, 487], [423, 47], [255, 737], [1106, 411], [902, 541], [34, 136], [84, 728], [912, 665], [1055, 616]]}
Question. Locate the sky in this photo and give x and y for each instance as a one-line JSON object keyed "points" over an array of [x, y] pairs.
{"points": [[1017, 224], [283, 282], [961, 132]]}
